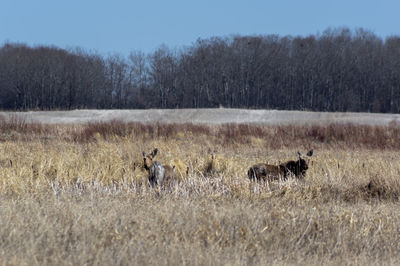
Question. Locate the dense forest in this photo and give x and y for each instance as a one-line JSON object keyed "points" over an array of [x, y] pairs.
{"points": [[338, 70]]}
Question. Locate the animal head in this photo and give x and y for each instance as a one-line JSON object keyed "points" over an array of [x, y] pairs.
{"points": [[299, 167], [148, 159]]}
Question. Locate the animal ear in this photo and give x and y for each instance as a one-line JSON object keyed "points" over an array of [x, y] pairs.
{"points": [[310, 153], [299, 153], [154, 153], [144, 154]]}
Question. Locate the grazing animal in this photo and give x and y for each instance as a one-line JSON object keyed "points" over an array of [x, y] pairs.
{"points": [[158, 174], [274, 172]]}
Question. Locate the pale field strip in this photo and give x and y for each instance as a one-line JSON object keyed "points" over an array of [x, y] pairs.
{"points": [[207, 116]]}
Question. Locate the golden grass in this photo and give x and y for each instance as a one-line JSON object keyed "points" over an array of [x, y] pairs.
{"points": [[71, 200]]}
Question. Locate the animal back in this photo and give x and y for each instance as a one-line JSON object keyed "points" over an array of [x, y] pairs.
{"points": [[265, 172], [156, 173]]}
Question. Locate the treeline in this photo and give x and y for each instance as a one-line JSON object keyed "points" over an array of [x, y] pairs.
{"points": [[338, 70]]}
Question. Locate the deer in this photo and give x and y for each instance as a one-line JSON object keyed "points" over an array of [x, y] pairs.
{"points": [[268, 172], [158, 174]]}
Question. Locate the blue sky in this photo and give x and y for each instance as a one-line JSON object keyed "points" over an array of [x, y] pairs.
{"points": [[121, 26]]}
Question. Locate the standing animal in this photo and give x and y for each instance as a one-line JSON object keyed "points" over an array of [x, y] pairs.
{"points": [[158, 174], [274, 172]]}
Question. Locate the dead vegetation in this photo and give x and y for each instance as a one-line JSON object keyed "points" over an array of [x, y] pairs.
{"points": [[79, 195]]}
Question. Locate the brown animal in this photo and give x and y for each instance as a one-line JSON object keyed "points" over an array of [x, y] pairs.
{"points": [[158, 174], [274, 172]]}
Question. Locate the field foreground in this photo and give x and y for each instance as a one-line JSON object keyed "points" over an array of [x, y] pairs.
{"points": [[78, 194]]}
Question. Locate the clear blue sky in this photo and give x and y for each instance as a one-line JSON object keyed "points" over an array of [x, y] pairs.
{"points": [[122, 26]]}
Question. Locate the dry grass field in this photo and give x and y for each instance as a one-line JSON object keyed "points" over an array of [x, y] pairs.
{"points": [[78, 194]]}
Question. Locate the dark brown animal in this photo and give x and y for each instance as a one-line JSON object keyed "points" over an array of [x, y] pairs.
{"points": [[269, 172], [158, 174]]}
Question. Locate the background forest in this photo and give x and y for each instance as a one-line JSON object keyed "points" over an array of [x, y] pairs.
{"points": [[338, 70]]}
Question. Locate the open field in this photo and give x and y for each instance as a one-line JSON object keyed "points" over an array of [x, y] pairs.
{"points": [[207, 116], [78, 194]]}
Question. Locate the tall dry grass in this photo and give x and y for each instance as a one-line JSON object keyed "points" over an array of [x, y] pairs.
{"points": [[79, 195]]}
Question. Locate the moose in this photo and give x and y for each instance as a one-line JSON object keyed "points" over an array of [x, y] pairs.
{"points": [[269, 172], [158, 174]]}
